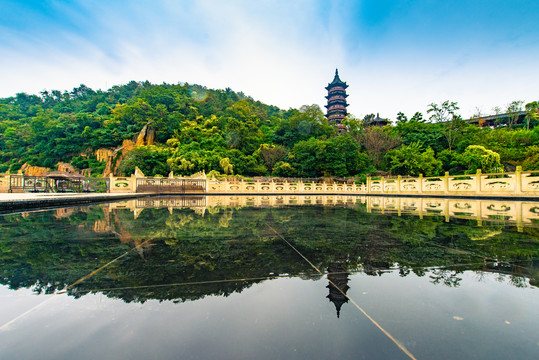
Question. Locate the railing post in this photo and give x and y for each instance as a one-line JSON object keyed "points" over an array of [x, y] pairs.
{"points": [[382, 186], [133, 183], [446, 182], [368, 185], [399, 179], [420, 187], [478, 181], [111, 182], [518, 180]]}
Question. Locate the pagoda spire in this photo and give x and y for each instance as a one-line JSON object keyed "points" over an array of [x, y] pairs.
{"points": [[336, 107]]}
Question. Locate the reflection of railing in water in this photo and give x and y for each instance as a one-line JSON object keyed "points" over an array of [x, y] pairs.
{"points": [[171, 202], [517, 212]]}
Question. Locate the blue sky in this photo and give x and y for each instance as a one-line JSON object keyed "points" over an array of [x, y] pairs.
{"points": [[395, 55]]}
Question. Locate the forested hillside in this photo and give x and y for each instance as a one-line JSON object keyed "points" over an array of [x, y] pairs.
{"points": [[222, 131]]}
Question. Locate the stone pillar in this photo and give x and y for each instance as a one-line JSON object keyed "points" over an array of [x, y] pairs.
{"points": [[420, 185], [478, 181], [518, 180], [446, 182], [133, 183], [368, 185], [111, 184]]}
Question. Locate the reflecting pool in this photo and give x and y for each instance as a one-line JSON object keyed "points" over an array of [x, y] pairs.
{"points": [[272, 277]]}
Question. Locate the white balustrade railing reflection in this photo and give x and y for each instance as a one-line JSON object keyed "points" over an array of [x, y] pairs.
{"points": [[518, 213]]}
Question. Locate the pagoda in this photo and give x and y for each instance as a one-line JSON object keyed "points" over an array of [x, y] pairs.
{"points": [[336, 107], [338, 284]]}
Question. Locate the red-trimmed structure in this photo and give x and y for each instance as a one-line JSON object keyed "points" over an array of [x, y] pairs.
{"points": [[336, 107]]}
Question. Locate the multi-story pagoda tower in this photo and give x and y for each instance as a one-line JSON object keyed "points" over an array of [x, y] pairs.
{"points": [[336, 107]]}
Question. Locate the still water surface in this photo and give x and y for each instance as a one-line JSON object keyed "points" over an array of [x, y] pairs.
{"points": [[181, 278]]}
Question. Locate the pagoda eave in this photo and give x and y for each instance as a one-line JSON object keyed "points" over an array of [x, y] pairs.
{"points": [[330, 86]]}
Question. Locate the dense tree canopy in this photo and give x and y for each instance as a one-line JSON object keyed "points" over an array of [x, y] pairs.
{"points": [[225, 132]]}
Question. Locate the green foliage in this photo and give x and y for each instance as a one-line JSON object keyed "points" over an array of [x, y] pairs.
{"points": [[418, 130], [151, 160], [532, 158], [413, 160], [199, 127], [284, 169], [478, 157]]}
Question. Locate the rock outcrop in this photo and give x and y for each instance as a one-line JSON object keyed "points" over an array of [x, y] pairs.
{"points": [[146, 136], [114, 157], [68, 168], [30, 170], [103, 154]]}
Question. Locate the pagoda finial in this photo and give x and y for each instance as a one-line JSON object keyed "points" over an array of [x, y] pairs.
{"points": [[336, 72]]}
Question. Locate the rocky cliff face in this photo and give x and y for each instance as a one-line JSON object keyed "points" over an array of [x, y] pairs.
{"points": [[146, 136], [30, 170], [114, 157], [68, 168], [103, 154]]}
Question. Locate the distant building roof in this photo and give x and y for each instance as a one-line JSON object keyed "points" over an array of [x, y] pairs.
{"points": [[493, 120], [377, 121]]}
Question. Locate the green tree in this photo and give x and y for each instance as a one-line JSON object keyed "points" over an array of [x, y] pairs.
{"points": [[479, 157], [151, 160], [532, 113], [413, 160], [513, 111], [446, 114], [226, 166]]}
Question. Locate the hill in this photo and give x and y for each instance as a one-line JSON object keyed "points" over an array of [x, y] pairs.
{"points": [[188, 128]]}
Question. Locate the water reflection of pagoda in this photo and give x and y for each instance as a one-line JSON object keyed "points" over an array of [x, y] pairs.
{"points": [[336, 107], [338, 284]]}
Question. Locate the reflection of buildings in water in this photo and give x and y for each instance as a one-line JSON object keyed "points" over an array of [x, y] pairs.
{"points": [[338, 284], [518, 273], [506, 212]]}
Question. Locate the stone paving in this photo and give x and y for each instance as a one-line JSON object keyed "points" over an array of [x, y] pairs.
{"points": [[19, 201]]}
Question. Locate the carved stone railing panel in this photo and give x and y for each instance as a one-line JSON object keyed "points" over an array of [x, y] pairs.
{"points": [[497, 183], [409, 185], [462, 184], [433, 185], [530, 182]]}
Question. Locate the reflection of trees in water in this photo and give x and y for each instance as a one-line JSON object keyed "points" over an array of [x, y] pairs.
{"points": [[48, 252], [446, 277]]}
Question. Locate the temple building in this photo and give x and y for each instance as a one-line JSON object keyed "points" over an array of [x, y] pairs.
{"points": [[336, 107], [371, 120]]}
